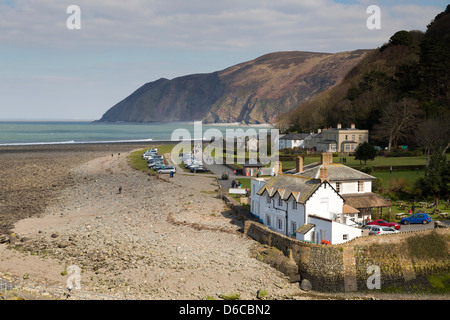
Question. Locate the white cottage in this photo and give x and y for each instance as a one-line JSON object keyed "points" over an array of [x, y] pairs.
{"points": [[301, 207], [293, 140], [354, 186]]}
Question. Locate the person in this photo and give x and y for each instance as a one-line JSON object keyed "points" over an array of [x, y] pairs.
{"points": [[413, 208], [171, 174], [120, 190]]}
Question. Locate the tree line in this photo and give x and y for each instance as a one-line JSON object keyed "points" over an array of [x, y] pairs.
{"points": [[400, 92]]}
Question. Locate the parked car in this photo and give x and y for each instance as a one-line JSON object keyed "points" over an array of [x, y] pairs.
{"points": [[150, 153], [153, 164], [159, 166], [417, 218], [198, 169], [381, 222], [167, 169], [379, 230], [158, 156]]}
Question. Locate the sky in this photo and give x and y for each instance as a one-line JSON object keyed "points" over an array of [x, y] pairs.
{"points": [[50, 70]]}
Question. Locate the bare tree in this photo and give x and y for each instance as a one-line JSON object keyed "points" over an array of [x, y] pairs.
{"points": [[434, 135], [399, 119]]}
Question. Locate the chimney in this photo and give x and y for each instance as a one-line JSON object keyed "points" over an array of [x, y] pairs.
{"points": [[339, 126], [299, 164], [278, 168], [319, 130], [327, 158], [353, 126], [323, 174]]}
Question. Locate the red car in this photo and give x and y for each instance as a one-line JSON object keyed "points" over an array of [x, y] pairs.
{"points": [[381, 222]]}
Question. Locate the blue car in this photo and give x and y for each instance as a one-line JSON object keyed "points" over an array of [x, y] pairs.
{"points": [[417, 218]]}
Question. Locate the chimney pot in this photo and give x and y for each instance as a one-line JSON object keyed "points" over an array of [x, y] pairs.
{"points": [[299, 164], [323, 174]]}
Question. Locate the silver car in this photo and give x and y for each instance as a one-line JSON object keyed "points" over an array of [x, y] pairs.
{"points": [[379, 230], [167, 169]]}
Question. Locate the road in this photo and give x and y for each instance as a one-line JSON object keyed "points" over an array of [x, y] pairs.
{"points": [[218, 170], [415, 227]]}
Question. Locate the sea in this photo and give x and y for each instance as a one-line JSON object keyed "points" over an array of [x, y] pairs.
{"points": [[81, 132]]}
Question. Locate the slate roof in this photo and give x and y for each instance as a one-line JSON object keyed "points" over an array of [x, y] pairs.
{"points": [[286, 185], [294, 136], [336, 172], [365, 200], [305, 228]]}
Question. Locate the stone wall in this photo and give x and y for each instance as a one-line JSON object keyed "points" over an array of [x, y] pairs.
{"points": [[401, 258]]}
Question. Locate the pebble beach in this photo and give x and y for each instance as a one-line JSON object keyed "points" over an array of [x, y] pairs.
{"points": [[158, 238]]}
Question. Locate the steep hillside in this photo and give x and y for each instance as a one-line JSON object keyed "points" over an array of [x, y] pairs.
{"points": [[256, 91], [396, 91]]}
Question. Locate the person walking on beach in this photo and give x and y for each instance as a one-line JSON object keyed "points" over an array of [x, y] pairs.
{"points": [[120, 190]]}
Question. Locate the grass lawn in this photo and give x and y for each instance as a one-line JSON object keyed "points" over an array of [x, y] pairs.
{"points": [[246, 183], [387, 179], [377, 162], [136, 161]]}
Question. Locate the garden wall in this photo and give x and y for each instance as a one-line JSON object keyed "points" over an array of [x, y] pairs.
{"points": [[402, 258]]}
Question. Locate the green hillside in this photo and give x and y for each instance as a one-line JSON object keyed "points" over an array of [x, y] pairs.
{"points": [[400, 92]]}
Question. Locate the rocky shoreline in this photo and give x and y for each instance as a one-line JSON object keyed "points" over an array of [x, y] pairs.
{"points": [[159, 238]]}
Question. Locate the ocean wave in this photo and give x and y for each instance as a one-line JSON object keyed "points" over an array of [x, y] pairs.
{"points": [[74, 142]]}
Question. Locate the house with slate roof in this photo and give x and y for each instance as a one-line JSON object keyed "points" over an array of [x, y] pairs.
{"points": [[320, 201], [354, 186], [308, 209], [293, 140]]}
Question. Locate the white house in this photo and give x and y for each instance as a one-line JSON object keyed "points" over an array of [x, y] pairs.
{"points": [[252, 144], [302, 207], [293, 140], [354, 186]]}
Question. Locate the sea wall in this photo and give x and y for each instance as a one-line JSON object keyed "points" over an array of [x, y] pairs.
{"points": [[403, 258]]}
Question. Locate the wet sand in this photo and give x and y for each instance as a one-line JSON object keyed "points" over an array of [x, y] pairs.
{"points": [[30, 175]]}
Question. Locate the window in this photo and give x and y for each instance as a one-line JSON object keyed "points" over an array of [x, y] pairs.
{"points": [[360, 137], [280, 223], [338, 187], [294, 227], [345, 237], [280, 202], [353, 137], [360, 186], [268, 220], [268, 199], [294, 205]]}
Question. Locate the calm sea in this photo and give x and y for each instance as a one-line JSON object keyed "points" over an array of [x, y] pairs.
{"points": [[71, 132]]}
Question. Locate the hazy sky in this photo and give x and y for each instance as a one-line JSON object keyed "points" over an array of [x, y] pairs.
{"points": [[48, 71]]}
